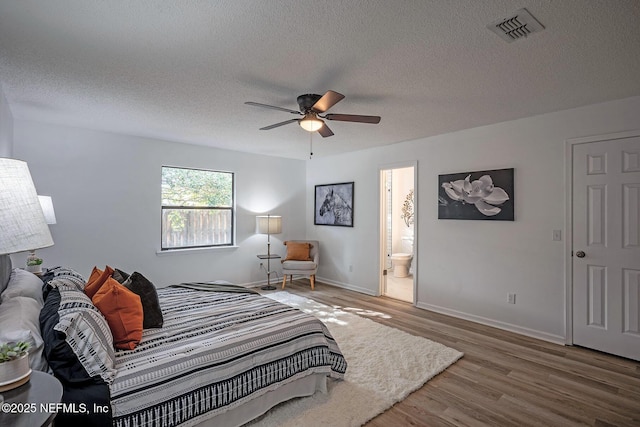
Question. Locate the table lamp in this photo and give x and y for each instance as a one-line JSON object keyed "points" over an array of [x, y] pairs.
{"points": [[22, 222]]}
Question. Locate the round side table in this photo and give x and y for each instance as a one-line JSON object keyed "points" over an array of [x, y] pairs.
{"points": [[26, 402]]}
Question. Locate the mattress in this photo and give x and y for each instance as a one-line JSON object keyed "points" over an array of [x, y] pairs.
{"points": [[217, 351]]}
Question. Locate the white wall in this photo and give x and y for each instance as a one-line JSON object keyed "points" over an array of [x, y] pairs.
{"points": [[106, 193], [6, 127], [466, 268]]}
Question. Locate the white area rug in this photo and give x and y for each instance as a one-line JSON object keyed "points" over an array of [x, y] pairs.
{"points": [[384, 366]]}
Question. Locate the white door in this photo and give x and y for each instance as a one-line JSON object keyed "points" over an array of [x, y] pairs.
{"points": [[606, 246]]}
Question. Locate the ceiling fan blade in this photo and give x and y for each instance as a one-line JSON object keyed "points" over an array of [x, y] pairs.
{"points": [[353, 118], [325, 131], [273, 107], [286, 122], [327, 101]]}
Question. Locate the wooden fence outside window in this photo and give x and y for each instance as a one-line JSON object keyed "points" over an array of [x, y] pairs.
{"points": [[196, 227]]}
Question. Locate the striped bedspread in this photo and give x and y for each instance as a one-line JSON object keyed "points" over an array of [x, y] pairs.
{"points": [[215, 351]]}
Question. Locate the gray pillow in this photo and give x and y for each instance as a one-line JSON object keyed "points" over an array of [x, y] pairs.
{"points": [[20, 321], [24, 284], [152, 314]]}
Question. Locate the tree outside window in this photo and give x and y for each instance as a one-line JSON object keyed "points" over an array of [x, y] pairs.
{"points": [[197, 208]]}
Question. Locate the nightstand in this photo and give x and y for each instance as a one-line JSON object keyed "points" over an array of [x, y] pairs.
{"points": [[25, 402], [268, 287]]}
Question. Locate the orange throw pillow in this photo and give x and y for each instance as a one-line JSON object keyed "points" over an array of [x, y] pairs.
{"points": [[298, 251], [123, 311], [96, 280]]}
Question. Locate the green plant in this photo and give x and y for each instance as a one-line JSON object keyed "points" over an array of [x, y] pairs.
{"points": [[10, 351], [34, 261]]}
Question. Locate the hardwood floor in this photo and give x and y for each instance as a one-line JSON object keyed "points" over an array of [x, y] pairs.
{"points": [[504, 379]]}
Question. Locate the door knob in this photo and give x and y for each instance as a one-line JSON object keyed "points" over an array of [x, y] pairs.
{"points": [[580, 254]]}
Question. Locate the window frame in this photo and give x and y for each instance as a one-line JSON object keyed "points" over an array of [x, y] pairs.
{"points": [[231, 209]]}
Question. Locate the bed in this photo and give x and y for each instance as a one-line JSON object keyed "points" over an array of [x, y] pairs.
{"points": [[223, 356]]}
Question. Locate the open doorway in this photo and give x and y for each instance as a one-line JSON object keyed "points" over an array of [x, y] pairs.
{"points": [[398, 231]]}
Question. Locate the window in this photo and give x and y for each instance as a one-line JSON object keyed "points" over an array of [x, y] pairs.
{"points": [[197, 208]]}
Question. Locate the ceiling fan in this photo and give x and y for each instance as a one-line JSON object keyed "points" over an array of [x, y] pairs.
{"points": [[311, 108]]}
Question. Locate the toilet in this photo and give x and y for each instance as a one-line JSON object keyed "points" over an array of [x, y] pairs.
{"points": [[401, 264], [401, 261]]}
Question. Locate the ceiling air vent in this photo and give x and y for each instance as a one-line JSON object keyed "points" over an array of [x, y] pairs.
{"points": [[515, 27]]}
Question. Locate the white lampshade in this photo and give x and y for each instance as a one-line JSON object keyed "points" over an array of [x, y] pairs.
{"points": [[47, 209], [22, 223], [268, 224], [311, 123]]}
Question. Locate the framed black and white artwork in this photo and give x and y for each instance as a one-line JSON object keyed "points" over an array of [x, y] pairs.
{"points": [[334, 204], [482, 195]]}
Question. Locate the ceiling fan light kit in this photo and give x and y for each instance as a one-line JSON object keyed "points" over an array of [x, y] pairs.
{"points": [[311, 123], [311, 106]]}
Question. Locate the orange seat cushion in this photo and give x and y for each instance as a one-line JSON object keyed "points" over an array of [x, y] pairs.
{"points": [[96, 280], [123, 311], [298, 251]]}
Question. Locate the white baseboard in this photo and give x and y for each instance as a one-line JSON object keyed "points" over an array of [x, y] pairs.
{"points": [[347, 286], [556, 339]]}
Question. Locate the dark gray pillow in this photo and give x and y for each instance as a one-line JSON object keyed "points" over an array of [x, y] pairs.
{"points": [[120, 276], [152, 314]]}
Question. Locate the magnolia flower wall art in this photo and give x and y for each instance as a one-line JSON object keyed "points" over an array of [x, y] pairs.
{"points": [[484, 195]]}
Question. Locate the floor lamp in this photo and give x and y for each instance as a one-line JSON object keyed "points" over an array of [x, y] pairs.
{"points": [[268, 224]]}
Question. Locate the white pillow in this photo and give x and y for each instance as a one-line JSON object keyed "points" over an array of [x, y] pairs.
{"points": [[23, 284], [20, 320]]}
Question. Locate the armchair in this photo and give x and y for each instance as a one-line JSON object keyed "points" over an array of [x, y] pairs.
{"points": [[301, 258]]}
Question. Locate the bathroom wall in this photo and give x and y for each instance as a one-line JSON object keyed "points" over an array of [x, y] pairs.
{"points": [[402, 183]]}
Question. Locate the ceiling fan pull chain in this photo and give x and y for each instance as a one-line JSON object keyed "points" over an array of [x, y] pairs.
{"points": [[310, 145]]}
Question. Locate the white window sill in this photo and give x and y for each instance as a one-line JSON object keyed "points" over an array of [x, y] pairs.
{"points": [[186, 251]]}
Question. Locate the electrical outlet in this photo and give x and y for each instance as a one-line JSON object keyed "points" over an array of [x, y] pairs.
{"points": [[557, 235], [511, 298]]}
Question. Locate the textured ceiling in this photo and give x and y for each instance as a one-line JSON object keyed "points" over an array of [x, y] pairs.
{"points": [[182, 70]]}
